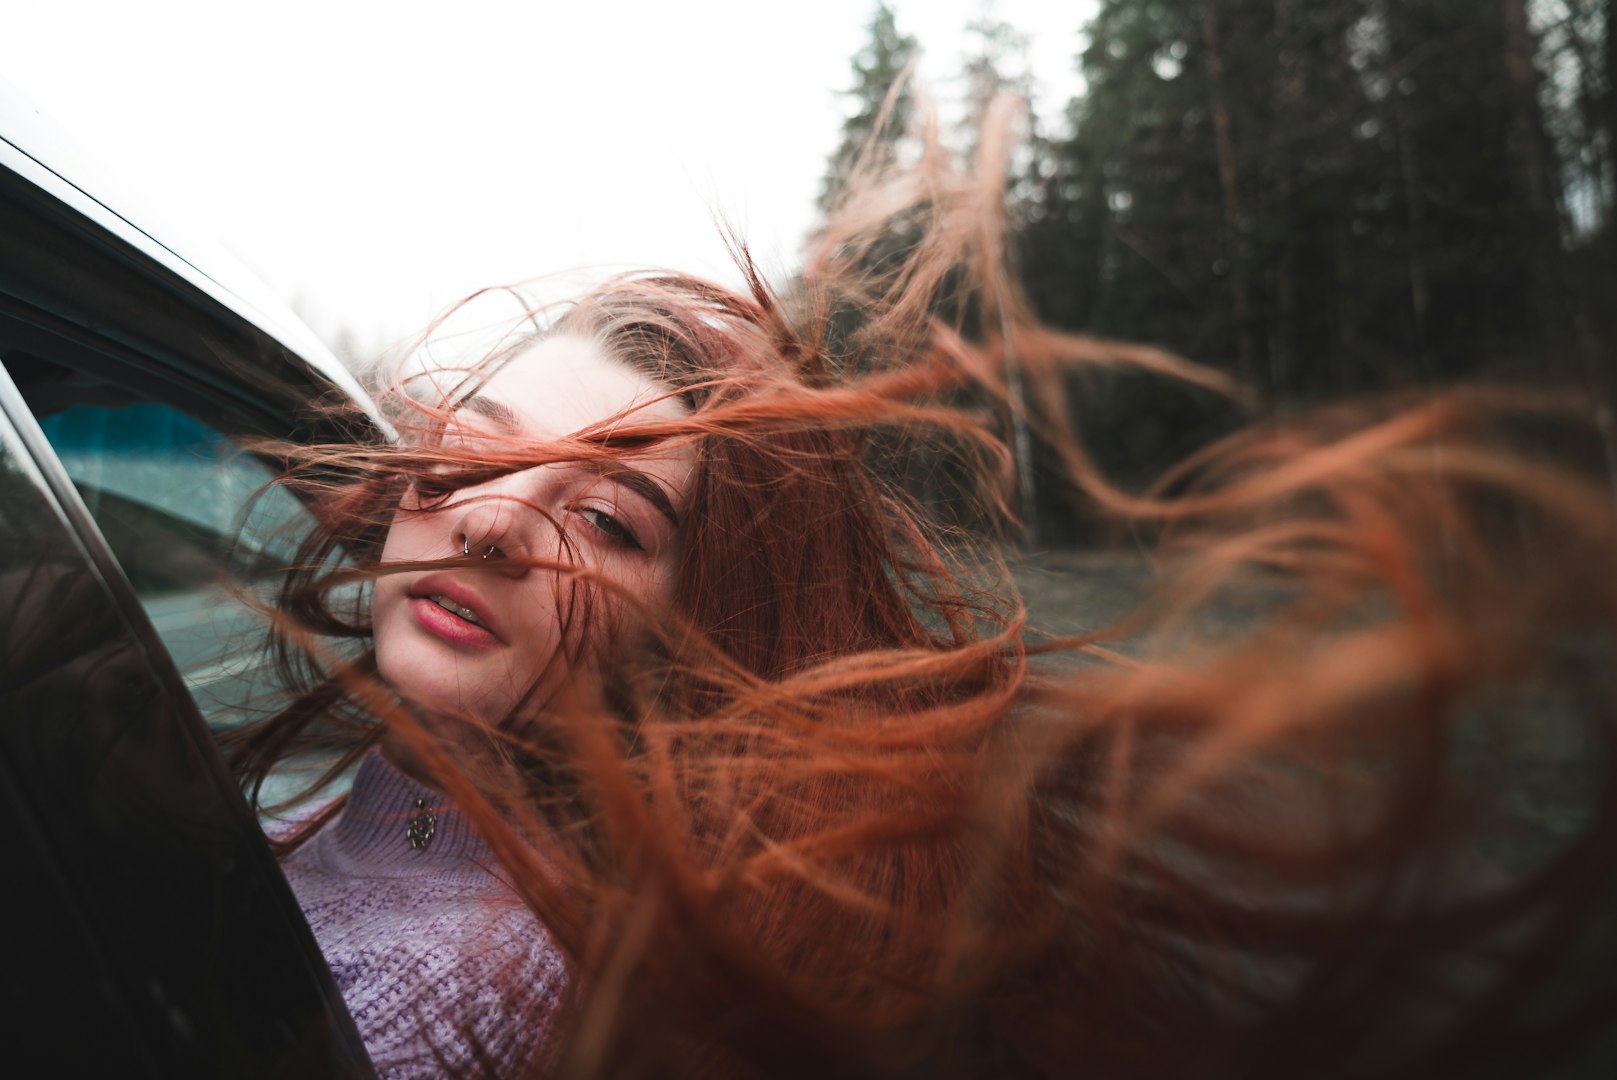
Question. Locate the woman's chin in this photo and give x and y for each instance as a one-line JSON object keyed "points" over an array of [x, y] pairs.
{"points": [[441, 694]]}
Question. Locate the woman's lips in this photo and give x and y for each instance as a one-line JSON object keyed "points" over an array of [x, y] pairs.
{"points": [[452, 611]]}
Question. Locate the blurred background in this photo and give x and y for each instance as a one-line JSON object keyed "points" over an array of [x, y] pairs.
{"points": [[1322, 197], [376, 162]]}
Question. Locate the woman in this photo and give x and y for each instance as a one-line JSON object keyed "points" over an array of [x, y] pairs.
{"points": [[439, 964], [588, 501], [664, 648]]}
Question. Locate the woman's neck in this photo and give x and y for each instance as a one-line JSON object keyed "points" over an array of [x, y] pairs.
{"points": [[402, 757]]}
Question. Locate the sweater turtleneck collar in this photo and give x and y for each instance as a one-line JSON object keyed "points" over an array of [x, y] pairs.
{"points": [[394, 826]]}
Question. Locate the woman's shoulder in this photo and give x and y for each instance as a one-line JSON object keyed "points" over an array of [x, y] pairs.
{"points": [[444, 991], [440, 963]]}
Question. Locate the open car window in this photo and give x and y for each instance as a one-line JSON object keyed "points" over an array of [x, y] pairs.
{"points": [[171, 496], [196, 525], [157, 918], [168, 492], [156, 914]]}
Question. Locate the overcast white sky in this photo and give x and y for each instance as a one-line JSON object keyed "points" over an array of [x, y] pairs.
{"points": [[377, 161]]}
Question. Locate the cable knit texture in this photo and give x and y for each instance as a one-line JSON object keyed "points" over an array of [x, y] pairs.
{"points": [[435, 956]]}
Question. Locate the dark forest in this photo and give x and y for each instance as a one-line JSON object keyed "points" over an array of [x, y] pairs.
{"points": [[1321, 197]]}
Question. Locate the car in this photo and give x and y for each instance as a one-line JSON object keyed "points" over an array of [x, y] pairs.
{"points": [[149, 931]]}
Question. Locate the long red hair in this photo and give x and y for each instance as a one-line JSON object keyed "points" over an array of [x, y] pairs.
{"points": [[842, 811]]}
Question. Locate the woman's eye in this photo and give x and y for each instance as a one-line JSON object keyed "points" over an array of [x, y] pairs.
{"points": [[609, 525], [430, 488]]}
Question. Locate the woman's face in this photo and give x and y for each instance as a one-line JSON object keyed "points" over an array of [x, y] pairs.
{"points": [[479, 641]]}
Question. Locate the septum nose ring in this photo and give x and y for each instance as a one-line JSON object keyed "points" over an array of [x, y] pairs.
{"points": [[466, 548]]}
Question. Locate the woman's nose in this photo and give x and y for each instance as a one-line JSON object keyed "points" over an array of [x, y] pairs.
{"points": [[505, 522]]}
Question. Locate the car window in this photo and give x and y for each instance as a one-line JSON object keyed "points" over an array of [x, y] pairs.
{"points": [[157, 918], [149, 469], [154, 913], [170, 495], [202, 535]]}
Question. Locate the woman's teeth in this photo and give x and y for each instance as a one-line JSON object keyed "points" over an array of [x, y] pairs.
{"points": [[456, 609]]}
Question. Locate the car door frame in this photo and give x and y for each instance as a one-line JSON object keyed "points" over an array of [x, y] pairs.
{"points": [[86, 289]]}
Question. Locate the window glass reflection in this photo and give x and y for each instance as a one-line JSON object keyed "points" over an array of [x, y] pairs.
{"points": [[169, 494]]}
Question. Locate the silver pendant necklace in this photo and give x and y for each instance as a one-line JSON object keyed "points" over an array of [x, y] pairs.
{"points": [[421, 828]]}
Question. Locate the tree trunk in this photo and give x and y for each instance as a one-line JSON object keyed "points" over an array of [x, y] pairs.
{"points": [[1027, 496], [1225, 139], [1287, 91], [1409, 172], [1527, 148], [1608, 115], [1347, 311], [1420, 289]]}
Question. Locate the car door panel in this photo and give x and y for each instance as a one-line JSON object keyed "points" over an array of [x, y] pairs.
{"points": [[149, 930], [156, 861]]}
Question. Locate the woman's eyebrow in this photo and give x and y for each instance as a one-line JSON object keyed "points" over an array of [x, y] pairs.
{"points": [[641, 484], [636, 481], [503, 415]]}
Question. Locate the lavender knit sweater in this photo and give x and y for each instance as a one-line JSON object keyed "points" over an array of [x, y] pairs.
{"points": [[434, 954]]}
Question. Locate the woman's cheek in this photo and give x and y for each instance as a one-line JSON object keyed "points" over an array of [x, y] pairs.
{"points": [[413, 537], [628, 607]]}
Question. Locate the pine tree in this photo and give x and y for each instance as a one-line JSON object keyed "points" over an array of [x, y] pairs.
{"points": [[873, 119]]}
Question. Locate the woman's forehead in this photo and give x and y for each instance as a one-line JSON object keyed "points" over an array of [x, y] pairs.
{"points": [[562, 385]]}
